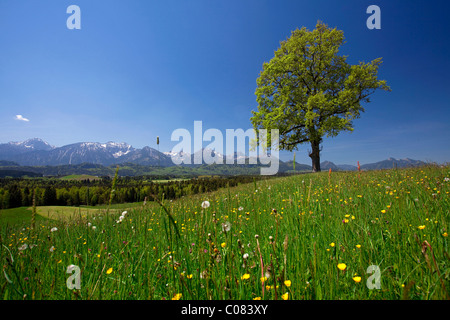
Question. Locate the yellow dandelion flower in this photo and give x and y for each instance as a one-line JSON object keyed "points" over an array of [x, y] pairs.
{"points": [[285, 296], [177, 296], [223, 244], [421, 227], [383, 211], [445, 234], [357, 279], [189, 276], [257, 298], [263, 279], [287, 283], [332, 244], [358, 246], [109, 271], [342, 266], [245, 276]]}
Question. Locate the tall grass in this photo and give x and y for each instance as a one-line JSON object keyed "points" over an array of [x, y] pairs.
{"points": [[273, 239]]}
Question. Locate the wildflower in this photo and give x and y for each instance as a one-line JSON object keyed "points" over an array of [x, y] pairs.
{"points": [[332, 244], [205, 204], [23, 247], [287, 283], [245, 276], [223, 244], [342, 266], [54, 229], [445, 234], [189, 276], [89, 224], [257, 298], [52, 249], [94, 228], [358, 246], [383, 211], [240, 208], [177, 296], [285, 296], [226, 226], [421, 227], [109, 271], [345, 221], [357, 279], [245, 256]]}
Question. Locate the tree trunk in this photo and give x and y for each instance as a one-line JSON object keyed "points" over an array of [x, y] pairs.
{"points": [[315, 155]]}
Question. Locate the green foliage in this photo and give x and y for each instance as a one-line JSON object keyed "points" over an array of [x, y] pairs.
{"points": [[309, 91]]}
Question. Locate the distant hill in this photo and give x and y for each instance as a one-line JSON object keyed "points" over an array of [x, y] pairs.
{"points": [[347, 167], [5, 163], [299, 167], [392, 163], [18, 174], [327, 165]]}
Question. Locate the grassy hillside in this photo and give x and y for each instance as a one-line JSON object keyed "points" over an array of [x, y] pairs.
{"points": [[369, 235]]}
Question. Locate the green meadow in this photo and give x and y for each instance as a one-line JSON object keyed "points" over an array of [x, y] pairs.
{"points": [[331, 235]]}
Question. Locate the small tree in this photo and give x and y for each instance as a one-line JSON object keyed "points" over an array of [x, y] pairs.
{"points": [[309, 91]]}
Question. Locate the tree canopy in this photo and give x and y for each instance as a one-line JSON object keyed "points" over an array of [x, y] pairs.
{"points": [[308, 91]]}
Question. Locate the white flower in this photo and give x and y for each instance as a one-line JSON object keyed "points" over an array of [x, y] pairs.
{"points": [[94, 228], [124, 213], [89, 224], [121, 218], [240, 209], [52, 249], [245, 256], [205, 204], [226, 226], [54, 229], [446, 179], [23, 247]]}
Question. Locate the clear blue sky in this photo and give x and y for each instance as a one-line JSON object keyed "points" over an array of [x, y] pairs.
{"points": [[141, 69]]}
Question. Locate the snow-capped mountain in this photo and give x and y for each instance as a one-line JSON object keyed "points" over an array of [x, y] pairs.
{"points": [[8, 151], [34, 144], [35, 152]]}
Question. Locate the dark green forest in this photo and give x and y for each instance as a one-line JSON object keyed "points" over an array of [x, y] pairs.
{"points": [[17, 192]]}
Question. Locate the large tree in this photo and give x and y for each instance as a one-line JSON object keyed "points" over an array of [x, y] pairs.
{"points": [[308, 91]]}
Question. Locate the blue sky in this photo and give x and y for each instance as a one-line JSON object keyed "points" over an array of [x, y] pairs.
{"points": [[141, 69]]}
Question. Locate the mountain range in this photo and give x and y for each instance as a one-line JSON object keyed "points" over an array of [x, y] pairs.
{"points": [[36, 152]]}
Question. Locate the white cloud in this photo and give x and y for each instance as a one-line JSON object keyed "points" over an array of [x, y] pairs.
{"points": [[21, 118]]}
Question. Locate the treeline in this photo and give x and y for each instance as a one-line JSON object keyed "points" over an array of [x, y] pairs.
{"points": [[48, 192]]}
